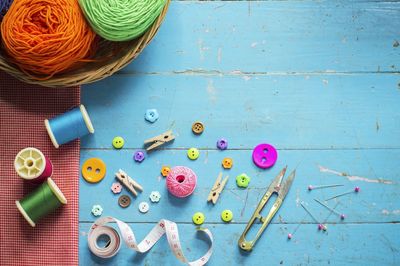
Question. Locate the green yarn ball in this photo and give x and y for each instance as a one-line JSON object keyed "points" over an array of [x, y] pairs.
{"points": [[121, 20]]}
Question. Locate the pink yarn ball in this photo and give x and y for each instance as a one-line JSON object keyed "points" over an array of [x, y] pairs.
{"points": [[181, 181]]}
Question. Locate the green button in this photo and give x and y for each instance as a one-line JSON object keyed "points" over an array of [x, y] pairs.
{"points": [[227, 216], [118, 142], [193, 153], [242, 180], [198, 218]]}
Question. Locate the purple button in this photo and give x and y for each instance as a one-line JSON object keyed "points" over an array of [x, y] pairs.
{"points": [[222, 144], [138, 156], [264, 155]]}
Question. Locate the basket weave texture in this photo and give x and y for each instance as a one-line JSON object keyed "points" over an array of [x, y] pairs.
{"points": [[110, 57]]}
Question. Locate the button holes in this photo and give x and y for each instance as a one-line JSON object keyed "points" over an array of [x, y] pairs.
{"points": [[97, 170], [265, 150], [89, 168], [263, 159]]}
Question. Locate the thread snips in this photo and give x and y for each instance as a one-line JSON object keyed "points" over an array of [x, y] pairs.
{"points": [[275, 187]]}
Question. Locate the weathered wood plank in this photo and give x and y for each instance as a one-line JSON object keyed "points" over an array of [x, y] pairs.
{"points": [[361, 244], [377, 202], [291, 112], [275, 36]]}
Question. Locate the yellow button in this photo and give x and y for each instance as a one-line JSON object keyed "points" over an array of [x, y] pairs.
{"points": [[226, 216], [118, 142], [198, 218], [227, 163], [165, 171], [193, 153], [93, 170]]}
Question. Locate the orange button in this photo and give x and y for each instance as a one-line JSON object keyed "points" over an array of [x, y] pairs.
{"points": [[227, 163], [93, 170], [165, 171]]}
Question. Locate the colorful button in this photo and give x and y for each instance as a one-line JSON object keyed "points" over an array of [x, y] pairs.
{"points": [[118, 142], [264, 155], [222, 144], [93, 170], [97, 210], [151, 115], [242, 180], [198, 218], [124, 201], [197, 128], [165, 171], [144, 207], [227, 163], [139, 156], [116, 187], [155, 196], [193, 153], [226, 216]]}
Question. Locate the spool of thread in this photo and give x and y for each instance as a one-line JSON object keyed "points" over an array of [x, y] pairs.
{"points": [[41, 202], [4, 6], [47, 37], [181, 181], [121, 20], [32, 165], [69, 126]]}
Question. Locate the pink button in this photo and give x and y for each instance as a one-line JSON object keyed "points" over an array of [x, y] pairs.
{"points": [[264, 155]]}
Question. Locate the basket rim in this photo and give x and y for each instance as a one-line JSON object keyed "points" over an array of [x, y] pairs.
{"points": [[134, 48]]}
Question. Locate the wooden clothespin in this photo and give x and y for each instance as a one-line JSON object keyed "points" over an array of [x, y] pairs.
{"points": [[128, 182], [159, 140], [217, 188]]}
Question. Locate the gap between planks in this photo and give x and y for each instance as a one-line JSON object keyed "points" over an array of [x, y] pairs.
{"points": [[202, 72], [250, 149], [244, 223]]}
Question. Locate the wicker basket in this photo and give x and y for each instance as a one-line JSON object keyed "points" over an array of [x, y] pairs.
{"points": [[110, 57]]}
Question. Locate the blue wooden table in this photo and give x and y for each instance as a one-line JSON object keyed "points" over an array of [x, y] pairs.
{"points": [[318, 80]]}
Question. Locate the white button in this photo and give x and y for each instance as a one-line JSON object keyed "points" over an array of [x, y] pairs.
{"points": [[155, 196], [143, 207]]}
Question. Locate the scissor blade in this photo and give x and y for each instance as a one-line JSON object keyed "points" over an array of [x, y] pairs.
{"points": [[286, 186], [277, 180]]}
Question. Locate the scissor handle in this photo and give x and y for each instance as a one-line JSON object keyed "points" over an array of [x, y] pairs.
{"points": [[248, 245]]}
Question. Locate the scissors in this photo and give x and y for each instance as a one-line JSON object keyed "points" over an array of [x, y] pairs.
{"points": [[281, 191]]}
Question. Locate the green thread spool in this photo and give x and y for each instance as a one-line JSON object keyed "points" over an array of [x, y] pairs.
{"points": [[121, 20], [41, 202]]}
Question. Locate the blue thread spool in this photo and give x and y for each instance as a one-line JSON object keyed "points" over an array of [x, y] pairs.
{"points": [[69, 126]]}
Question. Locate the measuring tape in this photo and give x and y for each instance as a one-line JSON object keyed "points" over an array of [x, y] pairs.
{"points": [[167, 227]]}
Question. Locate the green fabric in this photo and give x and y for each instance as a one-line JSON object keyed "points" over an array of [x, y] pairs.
{"points": [[40, 202], [121, 20]]}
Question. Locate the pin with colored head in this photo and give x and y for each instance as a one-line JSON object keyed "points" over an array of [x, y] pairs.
{"points": [[311, 187], [356, 190], [321, 226], [341, 215]]}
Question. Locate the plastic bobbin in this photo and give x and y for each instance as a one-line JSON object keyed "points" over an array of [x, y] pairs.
{"points": [[31, 165], [264, 155]]}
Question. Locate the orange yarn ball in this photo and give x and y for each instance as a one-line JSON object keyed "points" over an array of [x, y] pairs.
{"points": [[46, 37]]}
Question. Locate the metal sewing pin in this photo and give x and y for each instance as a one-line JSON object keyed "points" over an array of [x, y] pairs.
{"points": [[311, 187], [320, 225], [342, 216], [356, 190]]}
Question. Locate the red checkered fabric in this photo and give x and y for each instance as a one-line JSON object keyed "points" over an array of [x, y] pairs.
{"points": [[54, 240]]}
